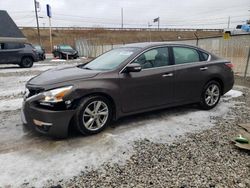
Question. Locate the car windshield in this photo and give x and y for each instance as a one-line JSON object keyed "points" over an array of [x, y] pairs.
{"points": [[66, 47], [37, 47], [111, 59]]}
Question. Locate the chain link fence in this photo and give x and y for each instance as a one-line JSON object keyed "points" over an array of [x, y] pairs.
{"points": [[236, 49], [93, 47]]}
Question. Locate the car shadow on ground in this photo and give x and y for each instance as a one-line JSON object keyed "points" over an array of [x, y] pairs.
{"points": [[139, 119], [10, 67], [31, 139]]}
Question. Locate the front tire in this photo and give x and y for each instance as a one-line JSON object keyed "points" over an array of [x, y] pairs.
{"points": [[44, 57], [211, 95], [93, 115], [26, 62]]}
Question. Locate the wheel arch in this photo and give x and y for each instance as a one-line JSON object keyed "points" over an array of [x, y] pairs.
{"points": [[219, 80], [29, 56], [105, 95]]}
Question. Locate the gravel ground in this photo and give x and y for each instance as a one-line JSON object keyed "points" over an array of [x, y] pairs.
{"points": [[205, 159]]}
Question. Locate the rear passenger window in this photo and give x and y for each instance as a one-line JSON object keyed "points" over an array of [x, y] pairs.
{"points": [[13, 45], [185, 55]]}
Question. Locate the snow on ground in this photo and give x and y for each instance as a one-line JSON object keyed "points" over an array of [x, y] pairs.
{"points": [[232, 93], [37, 67], [48, 159], [57, 60], [10, 104], [13, 85]]}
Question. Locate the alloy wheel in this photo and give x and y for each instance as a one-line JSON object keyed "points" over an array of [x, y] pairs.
{"points": [[95, 115], [212, 94], [26, 62]]}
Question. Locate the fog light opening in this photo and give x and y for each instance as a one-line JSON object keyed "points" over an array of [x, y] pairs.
{"points": [[68, 102]]}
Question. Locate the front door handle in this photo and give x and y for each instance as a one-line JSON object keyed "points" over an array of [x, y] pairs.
{"points": [[203, 68], [167, 75]]}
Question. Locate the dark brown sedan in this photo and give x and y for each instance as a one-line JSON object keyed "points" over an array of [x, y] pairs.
{"points": [[128, 80]]}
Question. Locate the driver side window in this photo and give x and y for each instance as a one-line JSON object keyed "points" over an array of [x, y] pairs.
{"points": [[157, 57]]}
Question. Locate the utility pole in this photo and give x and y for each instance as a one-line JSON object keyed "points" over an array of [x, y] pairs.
{"points": [[158, 23], [50, 35], [49, 14], [122, 18], [149, 30], [37, 23], [228, 22]]}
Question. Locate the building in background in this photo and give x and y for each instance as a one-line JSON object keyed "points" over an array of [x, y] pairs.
{"points": [[9, 32]]}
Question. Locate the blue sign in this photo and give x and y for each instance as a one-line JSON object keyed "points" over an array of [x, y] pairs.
{"points": [[49, 13]]}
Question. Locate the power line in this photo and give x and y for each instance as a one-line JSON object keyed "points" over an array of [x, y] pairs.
{"points": [[117, 21], [144, 25]]}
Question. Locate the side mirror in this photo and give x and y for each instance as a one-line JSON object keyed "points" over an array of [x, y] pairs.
{"points": [[133, 67]]}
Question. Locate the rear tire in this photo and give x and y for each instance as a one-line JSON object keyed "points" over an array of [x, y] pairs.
{"points": [[210, 95], [93, 115], [60, 56], [26, 62]]}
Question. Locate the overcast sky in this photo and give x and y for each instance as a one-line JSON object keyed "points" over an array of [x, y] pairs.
{"points": [[137, 13]]}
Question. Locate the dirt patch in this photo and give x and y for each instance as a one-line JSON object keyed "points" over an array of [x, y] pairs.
{"points": [[111, 36]]}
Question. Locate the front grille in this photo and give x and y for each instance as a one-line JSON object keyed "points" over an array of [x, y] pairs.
{"points": [[34, 91]]}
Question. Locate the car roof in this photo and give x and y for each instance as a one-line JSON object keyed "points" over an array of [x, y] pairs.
{"points": [[152, 44]]}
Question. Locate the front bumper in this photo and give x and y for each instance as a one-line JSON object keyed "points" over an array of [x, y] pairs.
{"points": [[51, 123], [69, 56], [41, 57]]}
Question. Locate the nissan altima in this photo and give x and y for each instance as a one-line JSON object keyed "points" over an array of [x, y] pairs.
{"points": [[132, 79]]}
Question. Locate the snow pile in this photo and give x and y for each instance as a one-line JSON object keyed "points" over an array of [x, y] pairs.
{"points": [[232, 94], [58, 60]]}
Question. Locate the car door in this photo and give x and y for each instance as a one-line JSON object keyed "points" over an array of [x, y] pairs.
{"points": [[13, 50], [2, 54], [151, 87], [190, 74]]}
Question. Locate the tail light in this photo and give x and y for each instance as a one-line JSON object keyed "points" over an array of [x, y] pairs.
{"points": [[229, 64]]}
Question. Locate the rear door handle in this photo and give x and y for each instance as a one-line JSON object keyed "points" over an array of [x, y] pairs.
{"points": [[203, 68], [167, 75]]}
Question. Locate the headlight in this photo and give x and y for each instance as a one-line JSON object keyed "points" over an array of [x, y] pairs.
{"points": [[55, 95], [26, 93]]}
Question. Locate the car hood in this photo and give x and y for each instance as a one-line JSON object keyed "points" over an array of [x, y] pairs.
{"points": [[59, 75], [40, 51], [68, 51]]}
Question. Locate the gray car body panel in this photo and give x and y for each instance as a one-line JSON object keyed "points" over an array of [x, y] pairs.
{"points": [[14, 56]]}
